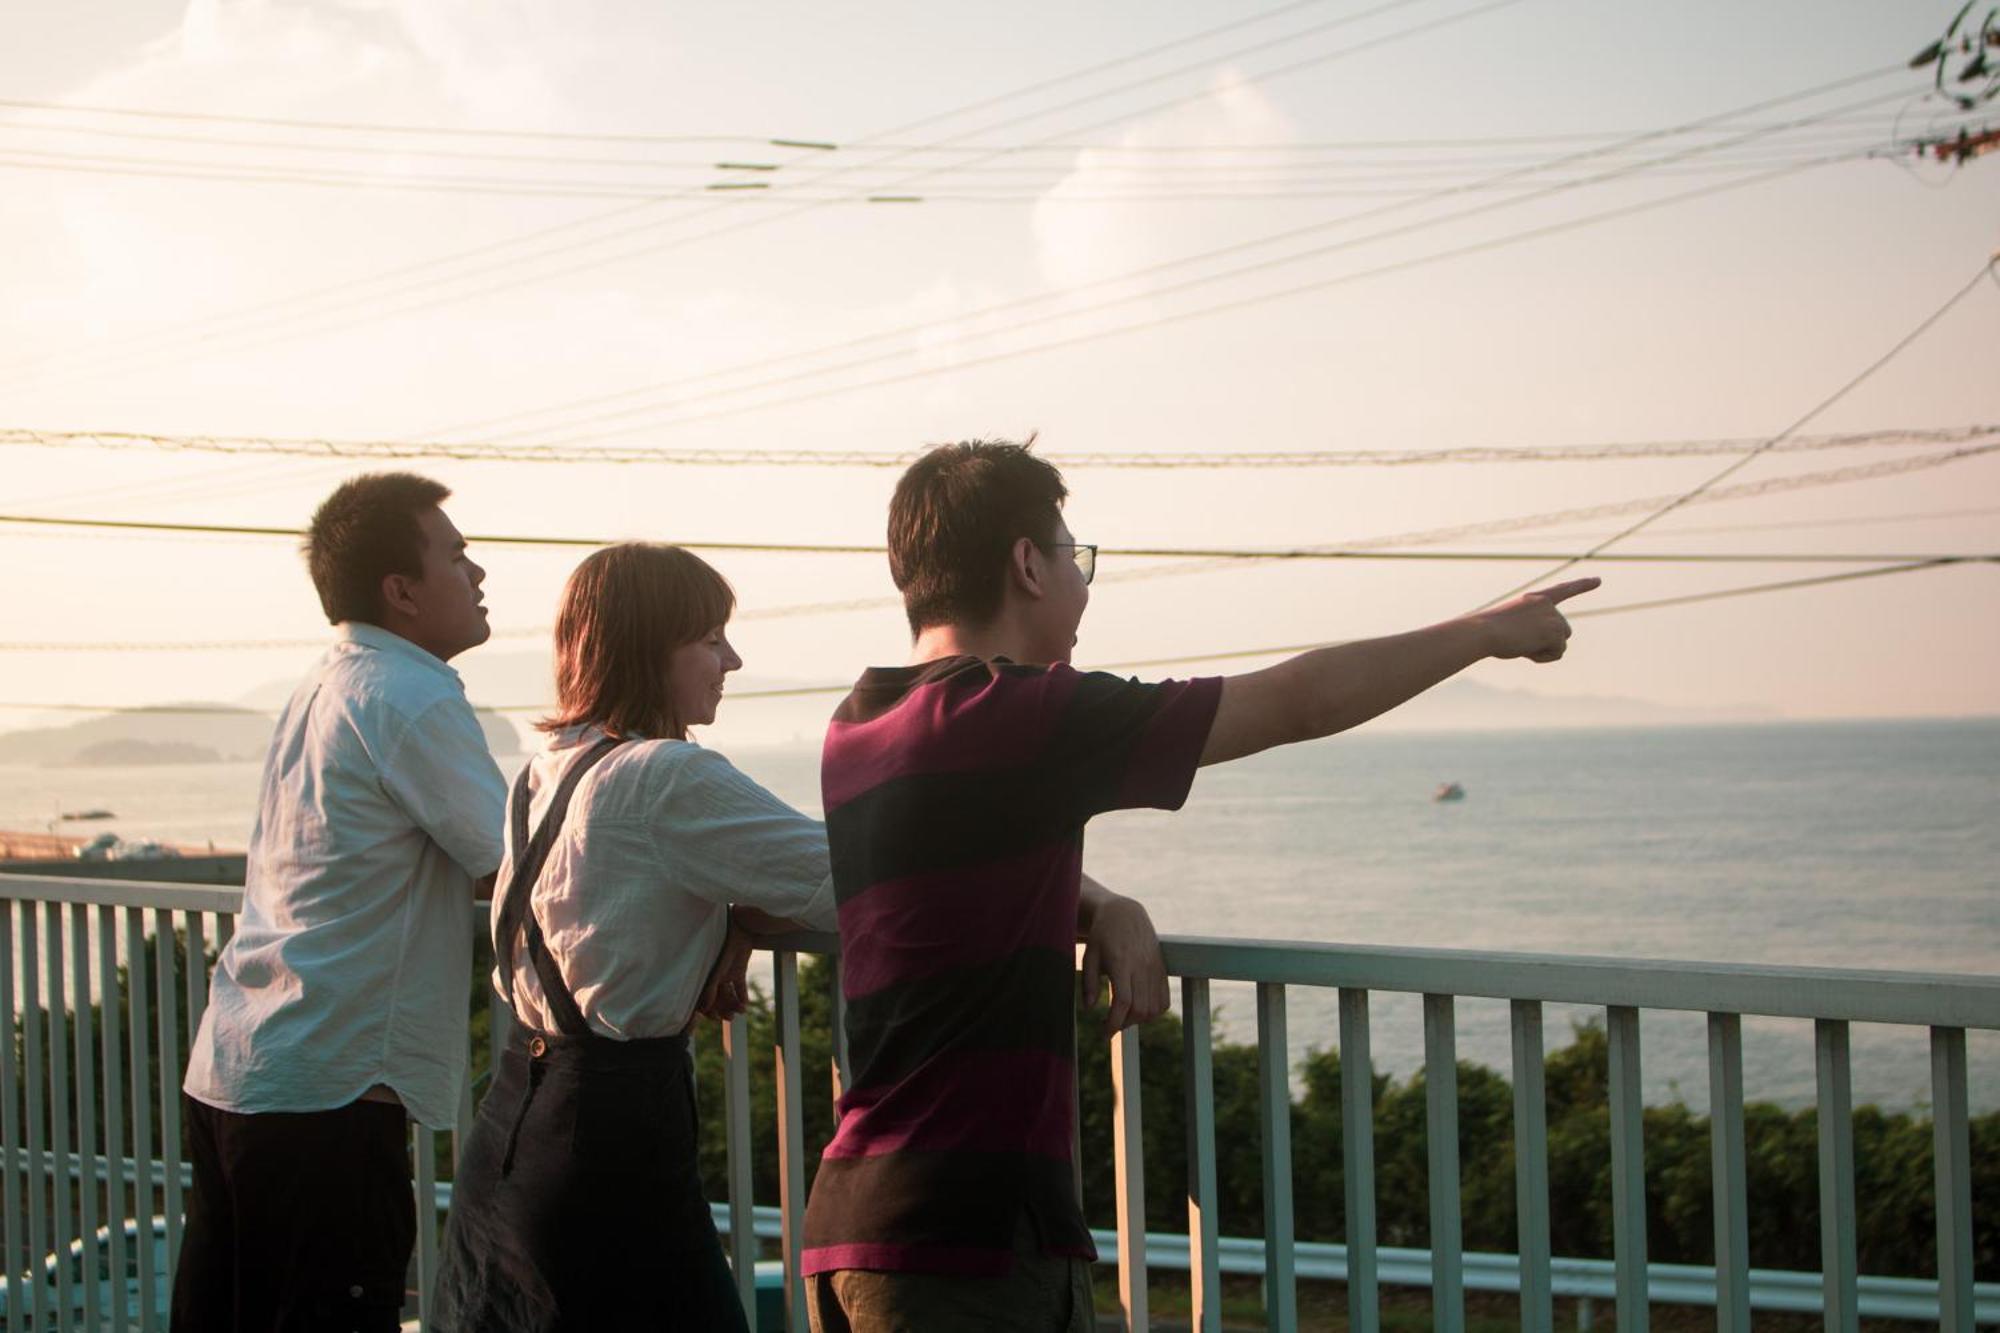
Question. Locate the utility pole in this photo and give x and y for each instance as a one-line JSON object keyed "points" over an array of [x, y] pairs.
{"points": [[1965, 65], [1967, 58], [1962, 147]]}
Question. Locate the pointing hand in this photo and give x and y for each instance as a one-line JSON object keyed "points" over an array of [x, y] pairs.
{"points": [[1530, 626]]}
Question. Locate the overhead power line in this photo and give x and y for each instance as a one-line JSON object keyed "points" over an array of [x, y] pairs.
{"points": [[800, 609], [888, 458], [674, 388], [1287, 650], [647, 411], [1611, 509], [1216, 188], [1433, 536], [1130, 552], [1224, 306], [981, 176], [1179, 659], [1238, 163], [1782, 585], [1793, 524], [177, 339], [1866, 373], [817, 141], [403, 131]]}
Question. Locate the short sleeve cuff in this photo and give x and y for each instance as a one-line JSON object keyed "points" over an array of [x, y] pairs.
{"points": [[1163, 764]]}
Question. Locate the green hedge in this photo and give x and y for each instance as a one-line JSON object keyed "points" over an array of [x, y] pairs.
{"points": [[1892, 1152]]}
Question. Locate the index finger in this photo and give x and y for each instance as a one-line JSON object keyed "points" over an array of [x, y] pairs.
{"points": [[1562, 592]]}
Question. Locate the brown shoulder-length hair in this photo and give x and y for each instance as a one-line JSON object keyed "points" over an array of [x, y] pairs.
{"points": [[624, 611]]}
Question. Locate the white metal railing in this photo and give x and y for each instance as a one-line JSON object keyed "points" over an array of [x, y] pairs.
{"points": [[64, 938]]}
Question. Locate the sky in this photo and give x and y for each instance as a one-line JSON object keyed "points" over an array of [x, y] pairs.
{"points": [[1057, 277]]}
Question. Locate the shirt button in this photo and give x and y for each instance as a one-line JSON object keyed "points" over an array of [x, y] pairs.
{"points": [[538, 1048]]}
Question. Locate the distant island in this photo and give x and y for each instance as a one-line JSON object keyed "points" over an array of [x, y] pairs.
{"points": [[135, 753], [1473, 705], [177, 734]]}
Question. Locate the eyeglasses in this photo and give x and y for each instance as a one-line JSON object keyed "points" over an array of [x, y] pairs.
{"points": [[1085, 555]]}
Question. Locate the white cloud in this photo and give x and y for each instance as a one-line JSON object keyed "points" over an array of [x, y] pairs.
{"points": [[1081, 242]]}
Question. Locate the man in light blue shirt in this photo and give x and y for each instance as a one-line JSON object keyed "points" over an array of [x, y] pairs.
{"points": [[337, 1010]]}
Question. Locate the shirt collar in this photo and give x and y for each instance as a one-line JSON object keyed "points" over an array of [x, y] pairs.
{"points": [[588, 733], [381, 640]]}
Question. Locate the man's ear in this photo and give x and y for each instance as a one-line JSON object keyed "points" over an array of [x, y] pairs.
{"points": [[1025, 569], [396, 594]]}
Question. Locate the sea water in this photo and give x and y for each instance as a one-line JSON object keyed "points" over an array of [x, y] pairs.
{"points": [[1871, 845]]}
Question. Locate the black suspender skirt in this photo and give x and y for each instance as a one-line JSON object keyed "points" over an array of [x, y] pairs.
{"points": [[577, 1204]]}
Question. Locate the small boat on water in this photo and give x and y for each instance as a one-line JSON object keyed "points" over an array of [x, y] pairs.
{"points": [[111, 847], [79, 816], [1448, 791]]}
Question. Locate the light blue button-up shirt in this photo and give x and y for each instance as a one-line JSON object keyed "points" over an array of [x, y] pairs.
{"points": [[352, 958]]}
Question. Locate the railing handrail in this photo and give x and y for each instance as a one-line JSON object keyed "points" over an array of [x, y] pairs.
{"points": [[1855, 995], [1859, 995], [119, 893]]}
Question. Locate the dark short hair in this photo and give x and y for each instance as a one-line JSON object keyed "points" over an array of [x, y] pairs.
{"points": [[956, 514], [624, 611], [364, 532]]}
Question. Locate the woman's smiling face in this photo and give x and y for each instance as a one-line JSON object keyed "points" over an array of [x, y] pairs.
{"points": [[695, 674]]}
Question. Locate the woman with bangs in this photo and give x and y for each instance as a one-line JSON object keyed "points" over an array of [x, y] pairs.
{"points": [[577, 1203]]}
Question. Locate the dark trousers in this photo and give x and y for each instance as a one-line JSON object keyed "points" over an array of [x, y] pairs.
{"points": [[298, 1222], [1044, 1293], [577, 1207]]}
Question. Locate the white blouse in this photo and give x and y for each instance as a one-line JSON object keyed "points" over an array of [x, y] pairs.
{"points": [[660, 838]]}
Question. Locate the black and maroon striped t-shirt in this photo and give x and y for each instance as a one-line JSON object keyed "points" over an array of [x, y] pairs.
{"points": [[956, 793]]}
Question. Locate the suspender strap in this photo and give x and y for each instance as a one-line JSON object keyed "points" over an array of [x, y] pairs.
{"points": [[517, 914]]}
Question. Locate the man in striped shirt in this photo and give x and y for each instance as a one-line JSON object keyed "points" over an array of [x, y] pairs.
{"points": [[956, 791]]}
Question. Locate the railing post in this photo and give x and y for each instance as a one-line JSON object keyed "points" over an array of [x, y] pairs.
{"points": [[1952, 1155], [168, 999], [1198, 1067], [139, 993], [463, 1117], [114, 1103], [1274, 1109], [196, 926], [59, 1041], [33, 1090], [1836, 1176], [423, 1143], [1441, 1121], [13, 1244], [1129, 1168], [1628, 1170], [736, 1138], [1729, 1173], [89, 1178], [843, 1070], [791, 1134], [1357, 1151], [1531, 1166]]}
